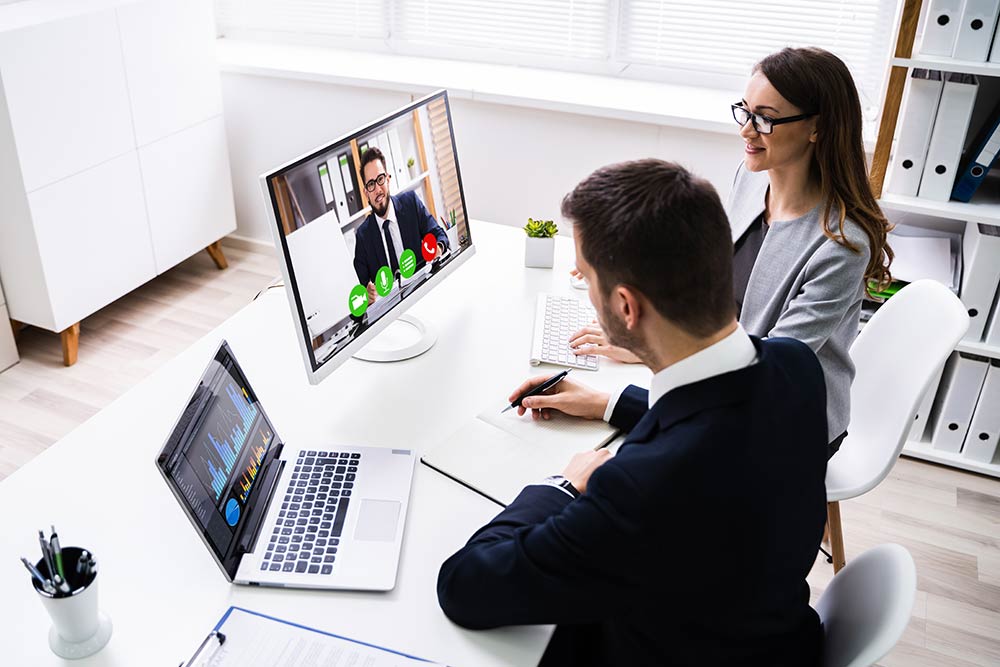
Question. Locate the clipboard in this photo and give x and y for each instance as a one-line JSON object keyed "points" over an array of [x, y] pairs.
{"points": [[238, 637]]}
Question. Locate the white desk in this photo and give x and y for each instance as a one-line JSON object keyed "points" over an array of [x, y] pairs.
{"points": [[159, 584]]}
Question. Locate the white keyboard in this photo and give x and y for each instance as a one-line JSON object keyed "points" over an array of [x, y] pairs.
{"points": [[556, 319]]}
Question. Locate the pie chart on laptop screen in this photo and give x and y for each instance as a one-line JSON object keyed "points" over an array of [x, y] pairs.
{"points": [[232, 512]]}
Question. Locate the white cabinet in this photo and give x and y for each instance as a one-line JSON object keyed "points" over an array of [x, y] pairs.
{"points": [[188, 191], [89, 240], [166, 46], [113, 157], [8, 350], [66, 96]]}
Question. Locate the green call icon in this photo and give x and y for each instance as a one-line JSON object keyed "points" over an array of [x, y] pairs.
{"points": [[407, 263], [357, 302], [383, 281]]}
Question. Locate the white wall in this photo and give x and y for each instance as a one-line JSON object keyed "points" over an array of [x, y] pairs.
{"points": [[515, 162]]}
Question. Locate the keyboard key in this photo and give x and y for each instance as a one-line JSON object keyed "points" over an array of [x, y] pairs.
{"points": [[327, 569], [287, 566], [275, 567], [264, 565], [356, 456], [338, 521], [314, 569], [329, 559], [301, 566]]}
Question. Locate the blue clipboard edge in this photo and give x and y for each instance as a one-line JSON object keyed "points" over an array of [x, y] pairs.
{"points": [[225, 617]]}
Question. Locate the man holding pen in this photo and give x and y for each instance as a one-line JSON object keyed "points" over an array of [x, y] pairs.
{"points": [[692, 544]]}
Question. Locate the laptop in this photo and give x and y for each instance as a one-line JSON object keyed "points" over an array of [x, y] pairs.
{"points": [[318, 516]]}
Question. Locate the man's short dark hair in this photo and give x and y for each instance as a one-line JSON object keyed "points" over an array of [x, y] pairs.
{"points": [[370, 155], [655, 227]]}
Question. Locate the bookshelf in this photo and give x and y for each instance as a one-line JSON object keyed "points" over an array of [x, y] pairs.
{"points": [[984, 209]]}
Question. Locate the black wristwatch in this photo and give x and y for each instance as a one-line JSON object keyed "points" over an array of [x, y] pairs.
{"points": [[563, 483]]}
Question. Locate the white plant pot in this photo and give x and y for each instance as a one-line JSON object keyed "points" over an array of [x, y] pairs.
{"points": [[538, 253], [414, 171], [452, 238]]}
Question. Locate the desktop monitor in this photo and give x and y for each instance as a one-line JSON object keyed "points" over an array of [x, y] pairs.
{"points": [[366, 225]]}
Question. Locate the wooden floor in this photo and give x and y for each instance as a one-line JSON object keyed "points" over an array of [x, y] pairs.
{"points": [[41, 400], [949, 520]]}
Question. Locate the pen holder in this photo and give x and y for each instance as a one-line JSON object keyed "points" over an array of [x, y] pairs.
{"points": [[78, 628]]}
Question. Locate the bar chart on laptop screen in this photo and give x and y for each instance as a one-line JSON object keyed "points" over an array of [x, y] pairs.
{"points": [[223, 437]]}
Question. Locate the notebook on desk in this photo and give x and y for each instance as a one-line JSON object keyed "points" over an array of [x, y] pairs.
{"points": [[497, 454]]}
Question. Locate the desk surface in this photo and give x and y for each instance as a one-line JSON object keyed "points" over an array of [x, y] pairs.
{"points": [[159, 584]]}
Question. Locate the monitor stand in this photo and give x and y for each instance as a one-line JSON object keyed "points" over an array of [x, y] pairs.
{"points": [[404, 338]]}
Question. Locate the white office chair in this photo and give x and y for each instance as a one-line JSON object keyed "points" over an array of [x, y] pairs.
{"points": [[866, 608], [897, 355]]}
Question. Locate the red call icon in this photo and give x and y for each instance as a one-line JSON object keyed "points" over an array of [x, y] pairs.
{"points": [[429, 247]]}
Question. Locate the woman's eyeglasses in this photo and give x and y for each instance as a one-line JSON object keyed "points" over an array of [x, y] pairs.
{"points": [[763, 124]]}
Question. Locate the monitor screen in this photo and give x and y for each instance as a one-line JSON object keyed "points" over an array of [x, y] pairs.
{"points": [[214, 454], [366, 224]]}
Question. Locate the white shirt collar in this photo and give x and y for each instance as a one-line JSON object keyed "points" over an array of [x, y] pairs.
{"points": [[390, 214], [733, 352]]}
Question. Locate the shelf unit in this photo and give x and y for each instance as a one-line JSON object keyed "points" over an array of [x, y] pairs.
{"points": [[985, 209], [363, 213]]}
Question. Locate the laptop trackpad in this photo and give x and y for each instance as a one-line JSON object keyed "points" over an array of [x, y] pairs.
{"points": [[377, 520]]}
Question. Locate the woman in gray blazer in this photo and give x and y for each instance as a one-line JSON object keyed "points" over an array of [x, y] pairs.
{"points": [[807, 231]]}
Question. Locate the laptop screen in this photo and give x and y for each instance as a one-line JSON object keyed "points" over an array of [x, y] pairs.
{"points": [[214, 453]]}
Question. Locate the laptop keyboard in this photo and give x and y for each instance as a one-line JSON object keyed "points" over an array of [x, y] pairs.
{"points": [[307, 533]]}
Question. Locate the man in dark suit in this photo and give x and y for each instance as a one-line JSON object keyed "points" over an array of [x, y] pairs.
{"points": [[691, 546], [396, 224]]}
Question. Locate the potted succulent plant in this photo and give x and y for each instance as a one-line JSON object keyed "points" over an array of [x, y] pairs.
{"points": [[411, 164], [540, 246]]}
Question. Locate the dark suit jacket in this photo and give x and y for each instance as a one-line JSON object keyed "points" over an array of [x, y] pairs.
{"points": [[690, 547], [414, 221]]}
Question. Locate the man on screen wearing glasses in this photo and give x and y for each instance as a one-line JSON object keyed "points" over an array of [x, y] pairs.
{"points": [[396, 224]]}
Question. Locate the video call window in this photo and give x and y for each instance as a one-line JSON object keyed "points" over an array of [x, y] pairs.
{"points": [[367, 221]]}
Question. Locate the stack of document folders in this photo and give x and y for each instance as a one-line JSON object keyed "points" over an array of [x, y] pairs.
{"points": [[941, 115], [961, 412]]}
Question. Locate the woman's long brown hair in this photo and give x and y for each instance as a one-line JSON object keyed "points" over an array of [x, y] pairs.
{"points": [[816, 81]]}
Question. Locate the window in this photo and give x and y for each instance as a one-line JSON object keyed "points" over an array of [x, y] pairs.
{"points": [[714, 42]]}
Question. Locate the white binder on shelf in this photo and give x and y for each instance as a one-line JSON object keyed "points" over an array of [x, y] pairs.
{"points": [[402, 171], [992, 336], [339, 194], [984, 430], [941, 27], [924, 409], [956, 399], [981, 255], [951, 124], [915, 131], [975, 32]]}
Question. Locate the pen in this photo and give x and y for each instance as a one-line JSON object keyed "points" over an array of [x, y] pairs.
{"points": [[46, 585], [57, 553], [81, 563], [548, 384], [61, 584], [46, 556]]}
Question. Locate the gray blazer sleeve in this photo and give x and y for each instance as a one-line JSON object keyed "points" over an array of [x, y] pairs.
{"points": [[828, 293]]}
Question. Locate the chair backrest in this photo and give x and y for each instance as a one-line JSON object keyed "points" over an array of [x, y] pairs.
{"points": [[867, 606], [896, 355]]}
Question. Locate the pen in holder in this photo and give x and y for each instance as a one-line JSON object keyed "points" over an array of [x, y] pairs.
{"points": [[78, 628]]}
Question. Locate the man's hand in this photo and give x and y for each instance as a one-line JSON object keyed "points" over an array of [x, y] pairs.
{"points": [[371, 293], [591, 340], [583, 465], [568, 396]]}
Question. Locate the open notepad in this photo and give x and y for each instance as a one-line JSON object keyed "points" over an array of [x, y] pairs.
{"points": [[497, 454]]}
